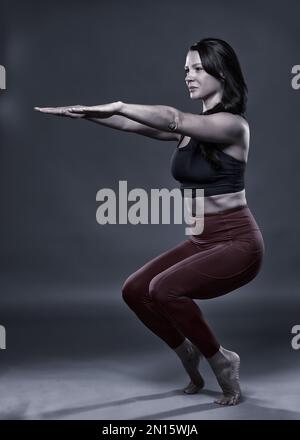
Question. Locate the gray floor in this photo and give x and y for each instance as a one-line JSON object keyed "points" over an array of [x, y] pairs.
{"points": [[90, 359]]}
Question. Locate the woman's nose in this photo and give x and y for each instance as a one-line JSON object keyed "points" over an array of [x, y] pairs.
{"points": [[189, 77]]}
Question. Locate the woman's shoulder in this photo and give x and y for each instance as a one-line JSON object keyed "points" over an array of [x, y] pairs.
{"points": [[242, 120], [238, 120]]}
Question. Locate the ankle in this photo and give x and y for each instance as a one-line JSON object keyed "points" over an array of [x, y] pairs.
{"points": [[222, 358], [184, 350]]}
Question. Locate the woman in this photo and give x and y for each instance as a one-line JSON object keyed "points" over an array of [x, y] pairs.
{"points": [[211, 154]]}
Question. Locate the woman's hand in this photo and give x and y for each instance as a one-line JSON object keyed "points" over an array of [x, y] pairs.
{"points": [[97, 111], [61, 111]]}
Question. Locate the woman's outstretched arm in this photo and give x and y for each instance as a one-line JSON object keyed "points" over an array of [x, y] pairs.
{"points": [[219, 127], [118, 122], [125, 124]]}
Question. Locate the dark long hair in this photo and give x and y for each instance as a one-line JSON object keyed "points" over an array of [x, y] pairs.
{"points": [[218, 56]]}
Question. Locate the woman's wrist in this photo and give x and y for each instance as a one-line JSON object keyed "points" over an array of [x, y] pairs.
{"points": [[119, 105]]}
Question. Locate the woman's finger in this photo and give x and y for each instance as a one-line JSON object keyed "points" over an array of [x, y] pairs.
{"points": [[59, 111], [52, 110]]}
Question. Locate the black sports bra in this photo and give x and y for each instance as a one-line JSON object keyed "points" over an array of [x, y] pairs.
{"points": [[192, 170]]}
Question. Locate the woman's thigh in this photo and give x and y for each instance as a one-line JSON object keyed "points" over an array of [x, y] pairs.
{"points": [[153, 267], [212, 272]]}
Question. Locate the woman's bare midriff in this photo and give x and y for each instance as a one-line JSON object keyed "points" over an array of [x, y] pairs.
{"points": [[221, 202], [213, 204]]}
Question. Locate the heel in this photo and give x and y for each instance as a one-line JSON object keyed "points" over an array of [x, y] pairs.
{"points": [[192, 388]]}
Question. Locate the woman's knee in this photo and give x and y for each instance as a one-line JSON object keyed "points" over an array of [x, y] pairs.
{"points": [[159, 290], [133, 287]]}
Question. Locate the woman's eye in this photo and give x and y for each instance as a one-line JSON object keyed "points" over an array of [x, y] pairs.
{"points": [[196, 68]]}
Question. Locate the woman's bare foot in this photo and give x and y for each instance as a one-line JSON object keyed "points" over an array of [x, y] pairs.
{"points": [[226, 366], [190, 357]]}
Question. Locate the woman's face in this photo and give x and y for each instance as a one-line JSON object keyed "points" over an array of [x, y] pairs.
{"points": [[201, 84]]}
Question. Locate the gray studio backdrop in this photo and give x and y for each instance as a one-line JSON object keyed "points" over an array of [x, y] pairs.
{"points": [[58, 265]]}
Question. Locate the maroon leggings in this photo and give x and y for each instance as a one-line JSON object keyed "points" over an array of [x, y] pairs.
{"points": [[225, 256]]}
